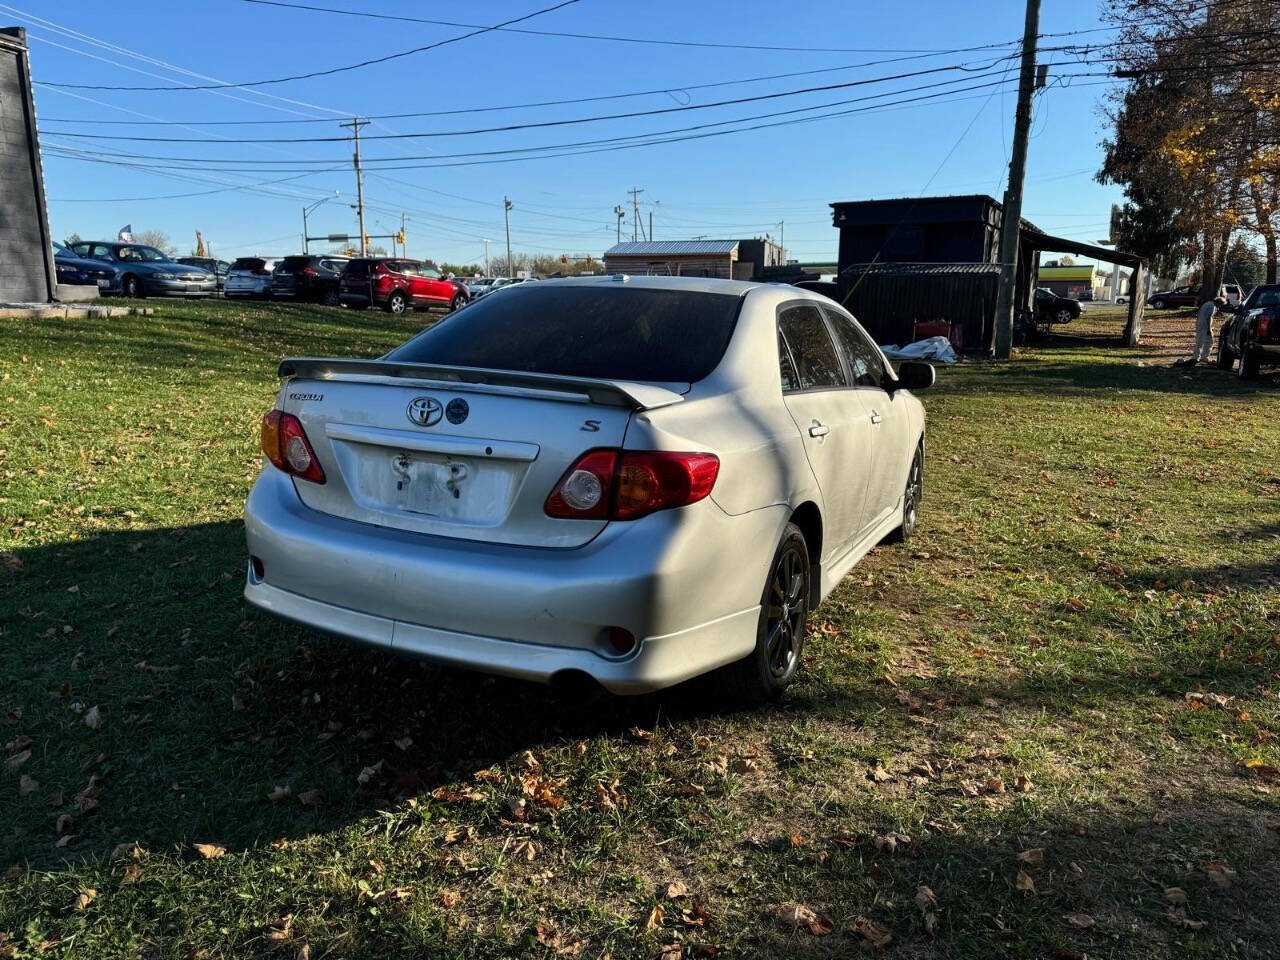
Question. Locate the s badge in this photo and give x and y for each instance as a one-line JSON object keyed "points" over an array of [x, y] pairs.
{"points": [[457, 410], [591, 426], [424, 411]]}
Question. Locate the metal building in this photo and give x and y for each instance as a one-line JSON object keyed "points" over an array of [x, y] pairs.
{"points": [[676, 258], [27, 273]]}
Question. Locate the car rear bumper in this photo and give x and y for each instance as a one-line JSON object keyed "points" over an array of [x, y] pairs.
{"points": [[1266, 352], [686, 583]]}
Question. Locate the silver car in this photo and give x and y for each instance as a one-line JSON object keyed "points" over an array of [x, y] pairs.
{"points": [[628, 481], [250, 277]]}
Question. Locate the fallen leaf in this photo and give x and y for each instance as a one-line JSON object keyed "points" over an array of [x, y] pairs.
{"points": [[311, 798], [122, 850], [890, 842], [744, 765], [63, 823], [404, 743], [1220, 872], [279, 933], [993, 785], [15, 872], [368, 773], [1081, 920], [878, 774], [279, 793], [1024, 882], [132, 873], [1178, 916], [27, 785], [1024, 783], [640, 734], [93, 718], [671, 951], [925, 898], [875, 934], [695, 916], [304, 952], [237, 704], [210, 851], [86, 896], [1175, 895], [969, 788], [18, 743], [655, 918], [798, 915], [1033, 857], [675, 890], [450, 899], [18, 759]]}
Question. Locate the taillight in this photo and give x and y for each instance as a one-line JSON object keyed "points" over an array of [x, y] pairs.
{"points": [[285, 444], [629, 484], [261, 272], [1266, 320], [308, 272]]}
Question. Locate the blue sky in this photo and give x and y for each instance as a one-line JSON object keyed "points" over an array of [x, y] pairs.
{"points": [[737, 185]]}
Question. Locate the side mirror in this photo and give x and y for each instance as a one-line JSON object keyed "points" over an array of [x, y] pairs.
{"points": [[915, 375]]}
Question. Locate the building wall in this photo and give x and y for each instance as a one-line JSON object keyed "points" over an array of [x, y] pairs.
{"points": [[26, 257], [721, 267]]}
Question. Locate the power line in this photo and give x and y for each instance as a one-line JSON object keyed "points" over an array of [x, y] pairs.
{"points": [[332, 70]]}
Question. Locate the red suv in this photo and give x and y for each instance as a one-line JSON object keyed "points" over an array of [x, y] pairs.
{"points": [[396, 285]]}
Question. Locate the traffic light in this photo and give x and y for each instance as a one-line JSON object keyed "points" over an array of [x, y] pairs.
{"points": [[564, 258], [366, 241], [400, 237]]}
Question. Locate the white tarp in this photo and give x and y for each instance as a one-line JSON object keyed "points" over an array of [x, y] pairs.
{"points": [[933, 349]]}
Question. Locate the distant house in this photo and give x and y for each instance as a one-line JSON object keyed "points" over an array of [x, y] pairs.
{"points": [[723, 259], [1071, 281], [27, 273]]}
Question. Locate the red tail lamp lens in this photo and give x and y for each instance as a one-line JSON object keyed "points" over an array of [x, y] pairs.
{"points": [[628, 484], [285, 444]]}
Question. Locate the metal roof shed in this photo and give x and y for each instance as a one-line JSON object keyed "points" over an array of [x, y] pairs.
{"points": [[675, 258]]}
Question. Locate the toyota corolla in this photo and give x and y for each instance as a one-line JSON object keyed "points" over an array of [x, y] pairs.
{"points": [[634, 480]]}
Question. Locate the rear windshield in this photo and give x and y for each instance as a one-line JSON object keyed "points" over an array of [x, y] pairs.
{"points": [[295, 263], [612, 333], [249, 263], [359, 268]]}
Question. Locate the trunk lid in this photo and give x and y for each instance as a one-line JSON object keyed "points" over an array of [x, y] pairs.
{"points": [[470, 454]]}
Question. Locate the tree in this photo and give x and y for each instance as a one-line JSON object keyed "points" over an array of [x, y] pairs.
{"points": [[158, 239], [73, 239], [1196, 128], [1245, 265]]}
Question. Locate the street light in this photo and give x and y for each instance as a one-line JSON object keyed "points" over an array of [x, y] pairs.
{"points": [[306, 242]]}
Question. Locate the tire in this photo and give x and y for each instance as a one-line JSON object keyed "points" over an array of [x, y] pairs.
{"points": [[765, 673], [1157, 304], [1249, 364], [396, 303], [131, 287], [330, 298], [458, 302], [911, 497], [1063, 316], [1225, 357]]}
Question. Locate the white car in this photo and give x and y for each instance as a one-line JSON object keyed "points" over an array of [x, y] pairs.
{"points": [[627, 481], [250, 277]]}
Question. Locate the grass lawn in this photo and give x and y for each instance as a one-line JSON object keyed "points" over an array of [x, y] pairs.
{"points": [[1042, 729]]}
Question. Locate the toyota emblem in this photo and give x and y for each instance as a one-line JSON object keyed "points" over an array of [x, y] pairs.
{"points": [[425, 411]]}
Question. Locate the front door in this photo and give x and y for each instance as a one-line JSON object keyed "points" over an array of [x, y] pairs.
{"points": [[831, 421], [886, 412]]}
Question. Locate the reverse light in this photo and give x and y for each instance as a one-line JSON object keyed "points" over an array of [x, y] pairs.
{"points": [[285, 444], [629, 484]]}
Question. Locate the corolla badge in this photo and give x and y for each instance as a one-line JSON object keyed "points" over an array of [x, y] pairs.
{"points": [[425, 411]]}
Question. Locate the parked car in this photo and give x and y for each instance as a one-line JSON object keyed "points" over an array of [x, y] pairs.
{"points": [[310, 278], [79, 271], [250, 277], [619, 481], [1184, 296], [1051, 308], [479, 286], [1252, 333], [398, 285], [218, 268], [1233, 293], [1122, 298], [142, 271]]}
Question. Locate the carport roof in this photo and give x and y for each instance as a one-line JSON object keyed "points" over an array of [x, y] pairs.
{"points": [[668, 248]]}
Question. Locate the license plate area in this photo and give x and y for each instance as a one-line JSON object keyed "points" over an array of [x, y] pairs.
{"points": [[103, 284]]}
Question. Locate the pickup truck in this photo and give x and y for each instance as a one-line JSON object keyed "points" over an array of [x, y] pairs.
{"points": [[1252, 334]]}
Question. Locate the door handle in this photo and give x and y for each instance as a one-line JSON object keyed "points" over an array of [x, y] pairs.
{"points": [[876, 418], [819, 429]]}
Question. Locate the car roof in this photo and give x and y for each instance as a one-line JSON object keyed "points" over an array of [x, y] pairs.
{"points": [[696, 284]]}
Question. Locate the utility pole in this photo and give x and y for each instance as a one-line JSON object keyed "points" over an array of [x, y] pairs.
{"points": [[650, 224], [1011, 222], [506, 215], [404, 243], [486, 259], [355, 125], [635, 209], [621, 215]]}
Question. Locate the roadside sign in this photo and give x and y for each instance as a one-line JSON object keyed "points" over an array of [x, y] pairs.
{"points": [[338, 238]]}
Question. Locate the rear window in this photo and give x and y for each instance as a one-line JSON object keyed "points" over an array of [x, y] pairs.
{"points": [[249, 263], [608, 332], [359, 268]]}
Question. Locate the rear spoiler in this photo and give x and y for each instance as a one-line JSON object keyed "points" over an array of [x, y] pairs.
{"points": [[614, 393]]}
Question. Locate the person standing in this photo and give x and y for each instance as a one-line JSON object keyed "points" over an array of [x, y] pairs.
{"points": [[1204, 328]]}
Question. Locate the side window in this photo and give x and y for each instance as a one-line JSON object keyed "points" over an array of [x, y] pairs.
{"points": [[817, 364], [786, 369], [865, 364], [101, 252], [430, 272], [81, 249]]}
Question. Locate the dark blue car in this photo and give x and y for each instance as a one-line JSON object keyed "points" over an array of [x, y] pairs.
{"points": [[81, 272]]}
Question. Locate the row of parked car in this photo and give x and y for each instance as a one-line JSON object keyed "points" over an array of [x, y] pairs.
{"points": [[395, 284]]}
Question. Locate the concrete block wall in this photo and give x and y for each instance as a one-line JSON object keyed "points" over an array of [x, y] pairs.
{"points": [[25, 257]]}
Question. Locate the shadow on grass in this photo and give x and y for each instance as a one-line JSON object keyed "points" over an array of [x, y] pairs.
{"points": [[208, 706]]}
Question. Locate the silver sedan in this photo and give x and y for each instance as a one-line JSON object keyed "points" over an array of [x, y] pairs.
{"points": [[627, 481]]}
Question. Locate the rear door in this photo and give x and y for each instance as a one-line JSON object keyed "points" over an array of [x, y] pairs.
{"points": [[832, 423], [435, 288], [891, 440]]}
